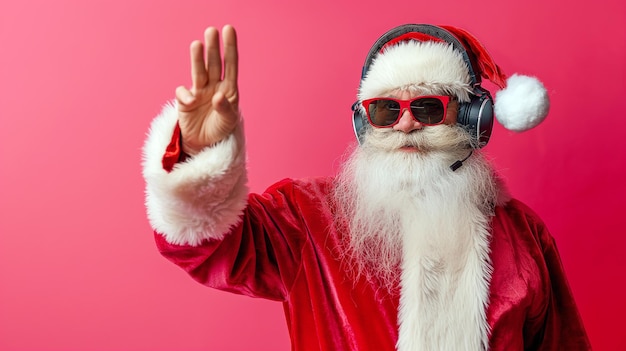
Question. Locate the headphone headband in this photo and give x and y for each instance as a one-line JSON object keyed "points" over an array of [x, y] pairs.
{"points": [[412, 31]]}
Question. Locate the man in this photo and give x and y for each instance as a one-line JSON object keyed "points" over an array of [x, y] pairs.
{"points": [[415, 245]]}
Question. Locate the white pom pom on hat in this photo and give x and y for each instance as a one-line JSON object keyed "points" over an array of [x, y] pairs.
{"points": [[521, 103]]}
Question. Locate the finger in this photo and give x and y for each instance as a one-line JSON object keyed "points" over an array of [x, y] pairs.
{"points": [[214, 59], [224, 107], [231, 55], [220, 102], [184, 96], [229, 117], [198, 71]]}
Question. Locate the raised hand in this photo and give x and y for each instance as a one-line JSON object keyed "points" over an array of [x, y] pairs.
{"points": [[209, 111]]}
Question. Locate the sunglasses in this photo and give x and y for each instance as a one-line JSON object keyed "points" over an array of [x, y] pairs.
{"points": [[386, 112]]}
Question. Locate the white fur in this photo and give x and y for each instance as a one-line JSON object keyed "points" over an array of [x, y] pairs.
{"points": [[445, 282], [410, 211], [201, 198], [523, 104], [446, 267], [436, 68]]}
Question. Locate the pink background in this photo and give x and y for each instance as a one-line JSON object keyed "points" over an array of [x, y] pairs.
{"points": [[81, 81]]}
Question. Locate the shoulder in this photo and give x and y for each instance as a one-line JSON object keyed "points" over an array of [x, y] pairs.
{"points": [[516, 220], [314, 187], [296, 206], [517, 211], [293, 193]]}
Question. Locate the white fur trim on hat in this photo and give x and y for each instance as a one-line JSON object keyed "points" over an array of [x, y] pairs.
{"points": [[427, 67], [523, 104]]}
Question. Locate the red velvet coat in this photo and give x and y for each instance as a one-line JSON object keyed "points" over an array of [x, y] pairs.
{"points": [[281, 245], [285, 249]]}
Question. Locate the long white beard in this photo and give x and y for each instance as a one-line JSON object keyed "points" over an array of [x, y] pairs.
{"points": [[414, 224], [390, 196]]}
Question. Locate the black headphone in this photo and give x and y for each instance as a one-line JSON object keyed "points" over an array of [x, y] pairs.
{"points": [[476, 116]]}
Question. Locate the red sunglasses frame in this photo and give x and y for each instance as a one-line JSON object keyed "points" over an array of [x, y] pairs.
{"points": [[406, 104]]}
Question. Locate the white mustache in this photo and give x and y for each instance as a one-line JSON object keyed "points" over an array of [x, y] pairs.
{"points": [[432, 138]]}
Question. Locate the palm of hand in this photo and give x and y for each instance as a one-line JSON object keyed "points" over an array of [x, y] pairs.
{"points": [[208, 111]]}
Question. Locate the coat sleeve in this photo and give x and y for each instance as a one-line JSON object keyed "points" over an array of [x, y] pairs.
{"points": [[205, 222], [259, 257], [560, 326]]}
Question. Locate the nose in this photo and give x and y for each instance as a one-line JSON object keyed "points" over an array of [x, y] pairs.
{"points": [[407, 123]]}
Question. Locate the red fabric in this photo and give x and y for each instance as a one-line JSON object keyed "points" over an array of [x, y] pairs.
{"points": [[174, 151], [487, 66], [286, 249]]}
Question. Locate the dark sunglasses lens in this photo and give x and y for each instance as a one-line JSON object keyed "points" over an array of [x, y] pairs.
{"points": [[428, 110], [383, 112]]}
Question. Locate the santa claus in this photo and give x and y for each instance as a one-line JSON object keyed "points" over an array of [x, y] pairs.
{"points": [[414, 245]]}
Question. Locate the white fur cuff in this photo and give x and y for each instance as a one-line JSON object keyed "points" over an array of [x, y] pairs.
{"points": [[201, 198]]}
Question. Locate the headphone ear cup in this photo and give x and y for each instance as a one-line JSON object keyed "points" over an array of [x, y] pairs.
{"points": [[476, 117], [358, 122]]}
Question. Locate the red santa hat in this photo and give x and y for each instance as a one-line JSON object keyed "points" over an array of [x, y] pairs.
{"points": [[421, 61]]}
